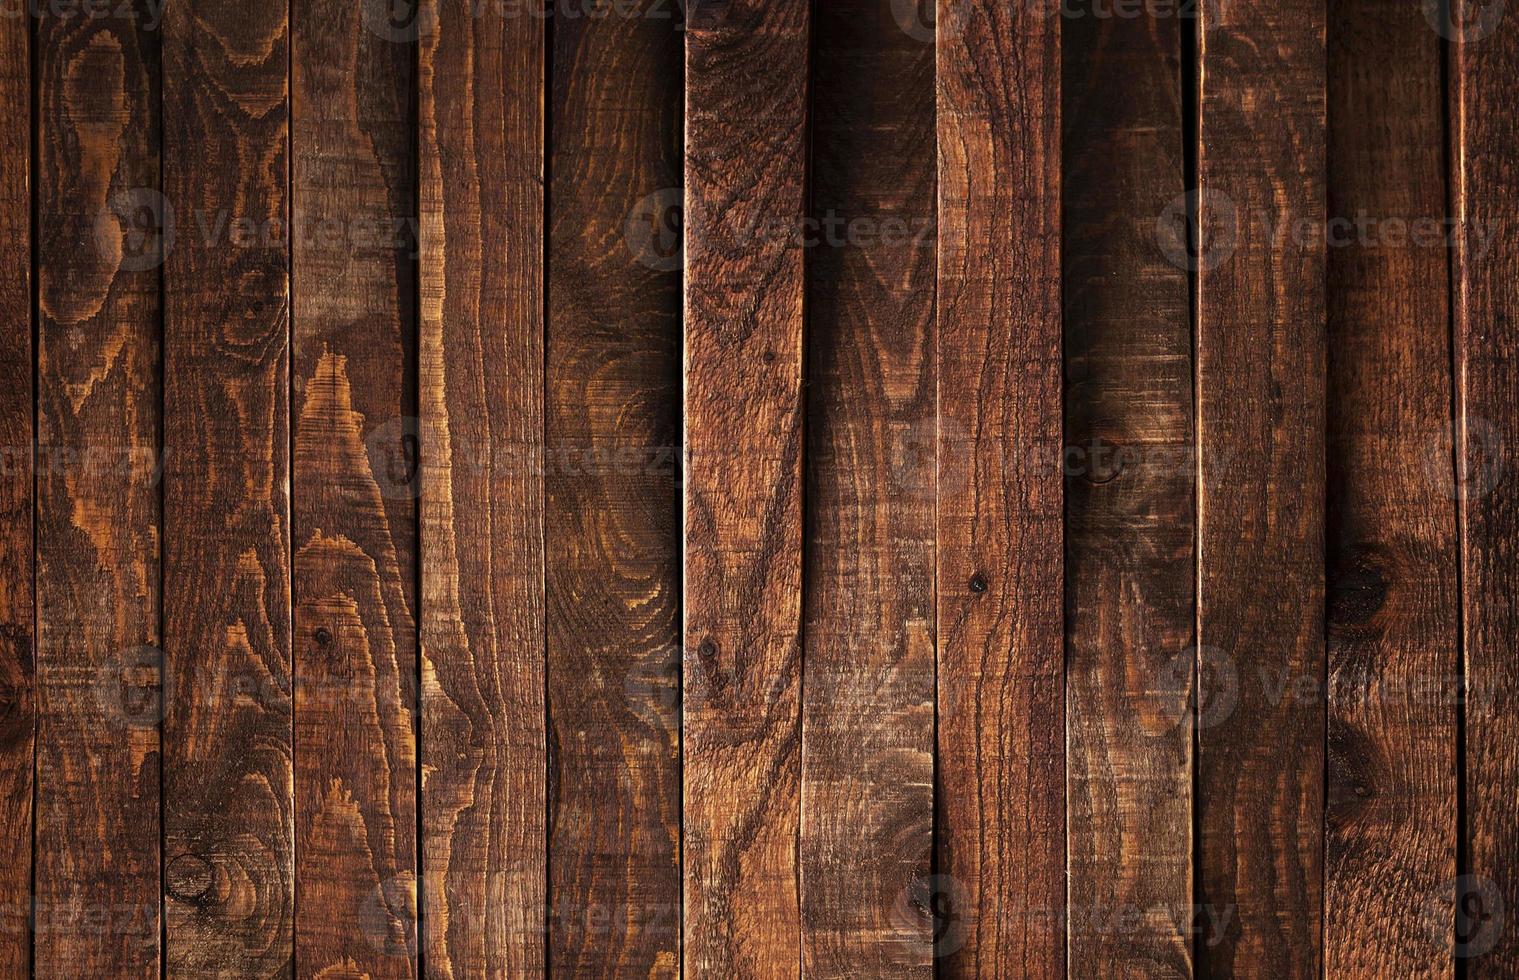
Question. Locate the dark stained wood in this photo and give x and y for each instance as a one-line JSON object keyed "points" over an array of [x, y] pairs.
{"points": [[228, 809], [613, 545], [1001, 725], [746, 85], [1130, 515], [483, 746], [1484, 112], [354, 506], [17, 608], [867, 760], [98, 517], [1260, 388], [1393, 606]]}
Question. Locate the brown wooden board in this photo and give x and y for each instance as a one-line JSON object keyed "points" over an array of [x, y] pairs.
{"points": [[17, 608], [746, 85], [1130, 517], [99, 662], [227, 770], [354, 493], [868, 753], [483, 745], [1260, 403], [1393, 605], [613, 417], [1483, 46], [1001, 726]]}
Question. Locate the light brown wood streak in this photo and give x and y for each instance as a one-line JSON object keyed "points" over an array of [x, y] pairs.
{"points": [[354, 500], [746, 72], [484, 756], [98, 398], [1001, 733], [227, 770]]}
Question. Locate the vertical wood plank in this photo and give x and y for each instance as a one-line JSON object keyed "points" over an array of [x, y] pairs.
{"points": [[17, 606], [1260, 387], [1391, 828], [98, 515], [1484, 77], [484, 755], [353, 503], [1001, 732], [746, 84], [228, 810], [867, 762], [613, 422], [1129, 475]]}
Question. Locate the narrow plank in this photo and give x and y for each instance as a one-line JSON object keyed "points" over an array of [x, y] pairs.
{"points": [[484, 750], [1260, 389], [746, 85], [1001, 732], [867, 719], [613, 425], [98, 515], [1391, 822], [227, 770], [353, 497], [17, 607], [1130, 506], [1484, 112]]}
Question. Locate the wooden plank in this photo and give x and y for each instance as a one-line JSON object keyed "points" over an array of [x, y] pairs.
{"points": [[613, 417], [484, 752], [17, 607], [1001, 732], [867, 719], [1260, 387], [227, 771], [1130, 506], [746, 112], [1391, 823], [98, 516], [1484, 114], [354, 507]]}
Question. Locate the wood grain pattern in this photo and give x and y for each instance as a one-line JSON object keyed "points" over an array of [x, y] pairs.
{"points": [[354, 506], [483, 746], [227, 781], [746, 83], [1260, 389], [17, 607], [1130, 517], [613, 425], [867, 720], [1393, 606], [1001, 732], [98, 515], [1484, 112]]}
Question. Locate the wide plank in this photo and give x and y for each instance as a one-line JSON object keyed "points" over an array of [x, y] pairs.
{"points": [[99, 663], [483, 744]]}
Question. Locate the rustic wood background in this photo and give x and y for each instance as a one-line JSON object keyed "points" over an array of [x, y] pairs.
{"points": [[769, 489]]}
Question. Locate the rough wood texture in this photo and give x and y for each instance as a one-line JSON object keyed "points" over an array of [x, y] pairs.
{"points": [[17, 611], [98, 418], [746, 84], [1484, 78], [228, 810], [1260, 387], [1393, 610], [613, 543], [484, 756], [867, 760], [1001, 733], [354, 506], [1130, 513]]}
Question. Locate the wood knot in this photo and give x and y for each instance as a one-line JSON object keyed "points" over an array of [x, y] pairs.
{"points": [[1358, 588], [323, 636], [189, 877], [978, 583]]}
